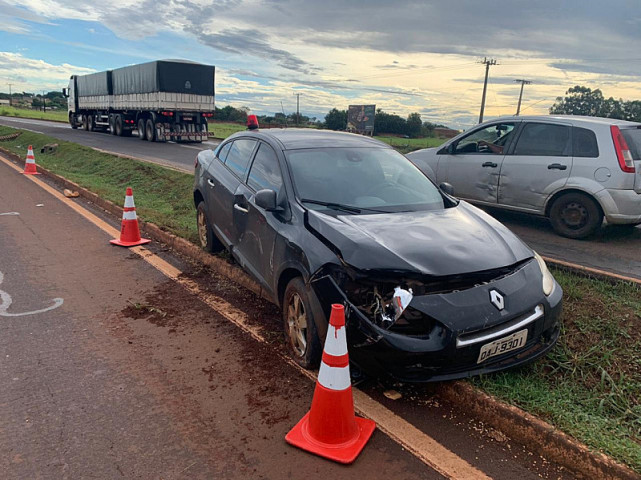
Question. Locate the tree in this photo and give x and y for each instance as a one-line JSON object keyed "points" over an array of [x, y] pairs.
{"points": [[581, 100], [389, 123], [336, 119], [413, 125]]}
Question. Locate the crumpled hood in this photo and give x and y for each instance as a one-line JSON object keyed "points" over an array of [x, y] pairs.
{"points": [[451, 241]]}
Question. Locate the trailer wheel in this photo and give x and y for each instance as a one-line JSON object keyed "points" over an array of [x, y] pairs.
{"points": [[141, 129], [150, 131], [90, 123], [112, 124], [118, 123]]}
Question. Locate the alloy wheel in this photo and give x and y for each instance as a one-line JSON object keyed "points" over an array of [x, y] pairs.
{"points": [[297, 324]]}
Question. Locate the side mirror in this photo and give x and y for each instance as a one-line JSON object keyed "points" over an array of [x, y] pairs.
{"points": [[451, 148], [65, 93], [447, 188], [266, 199]]}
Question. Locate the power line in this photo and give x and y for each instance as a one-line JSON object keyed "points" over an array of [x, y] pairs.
{"points": [[523, 83]]}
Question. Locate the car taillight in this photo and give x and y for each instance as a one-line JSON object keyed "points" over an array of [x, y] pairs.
{"points": [[624, 155]]}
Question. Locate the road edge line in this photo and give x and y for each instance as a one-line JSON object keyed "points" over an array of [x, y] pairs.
{"points": [[511, 420]]}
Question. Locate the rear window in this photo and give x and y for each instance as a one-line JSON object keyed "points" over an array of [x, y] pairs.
{"points": [[585, 144], [544, 139], [239, 156], [633, 139]]}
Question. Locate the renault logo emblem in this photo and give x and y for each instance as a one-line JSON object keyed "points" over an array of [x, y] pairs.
{"points": [[497, 299]]}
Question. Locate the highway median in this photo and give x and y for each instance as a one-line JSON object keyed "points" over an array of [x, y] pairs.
{"points": [[589, 386]]}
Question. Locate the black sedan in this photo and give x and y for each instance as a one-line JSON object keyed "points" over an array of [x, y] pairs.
{"points": [[433, 287]]}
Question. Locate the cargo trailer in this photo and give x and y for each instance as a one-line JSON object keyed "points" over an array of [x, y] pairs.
{"points": [[161, 100]]}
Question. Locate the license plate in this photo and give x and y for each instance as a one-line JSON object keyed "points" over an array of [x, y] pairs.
{"points": [[503, 345]]}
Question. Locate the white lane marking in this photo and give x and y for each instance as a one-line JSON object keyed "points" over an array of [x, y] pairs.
{"points": [[5, 303], [9, 213]]}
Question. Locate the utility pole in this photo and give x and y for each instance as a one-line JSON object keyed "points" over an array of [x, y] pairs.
{"points": [[10, 84], [44, 102], [523, 82], [297, 107], [487, 62]]}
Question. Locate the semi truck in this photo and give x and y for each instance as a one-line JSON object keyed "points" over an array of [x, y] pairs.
{"points": [[161, 100]]}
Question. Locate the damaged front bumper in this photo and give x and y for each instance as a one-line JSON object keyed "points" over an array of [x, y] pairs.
{"points": [[462, 322]]}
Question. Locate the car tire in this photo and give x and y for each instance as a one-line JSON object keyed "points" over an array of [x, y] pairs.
{"points": [[298, 321], [141, 130], [206, 237], [575, 215], [150, 131]]}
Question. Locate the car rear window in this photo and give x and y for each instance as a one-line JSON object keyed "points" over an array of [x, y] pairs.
{"points": [[584, 143], [633, 139], [239, 156], [544, 139]]}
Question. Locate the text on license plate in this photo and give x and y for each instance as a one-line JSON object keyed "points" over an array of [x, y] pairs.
{"points": [[503, 345]]}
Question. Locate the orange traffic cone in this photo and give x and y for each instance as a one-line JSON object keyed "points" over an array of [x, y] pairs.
{"points": [[330, 429], [129, 232], [30, 164]]}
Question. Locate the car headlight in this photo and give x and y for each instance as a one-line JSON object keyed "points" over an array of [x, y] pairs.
{"points": [[548, 279]]}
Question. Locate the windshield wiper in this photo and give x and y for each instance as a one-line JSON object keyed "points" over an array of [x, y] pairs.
{"points": [[336, 206], [340, 206]]}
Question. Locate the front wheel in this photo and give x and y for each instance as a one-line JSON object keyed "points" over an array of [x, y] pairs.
{"points": [[300, 330], [206, 237], [575, 215], [72, 121]]}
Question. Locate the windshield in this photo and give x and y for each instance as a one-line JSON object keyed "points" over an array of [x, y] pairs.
{"points": [[378, 179]]}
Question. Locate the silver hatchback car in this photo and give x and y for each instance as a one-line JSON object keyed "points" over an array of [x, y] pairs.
{"points": [[574, 170]]}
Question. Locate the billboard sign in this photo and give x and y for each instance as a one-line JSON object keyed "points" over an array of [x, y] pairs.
{"points": [[360, 118]]}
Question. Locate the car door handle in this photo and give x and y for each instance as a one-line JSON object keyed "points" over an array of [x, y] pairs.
{"points": [[240, 208], [490, 164], [557, 166], [211, 182]]}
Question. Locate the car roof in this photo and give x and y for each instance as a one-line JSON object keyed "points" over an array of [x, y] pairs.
{"points": [[573, 119], [299, 138]]}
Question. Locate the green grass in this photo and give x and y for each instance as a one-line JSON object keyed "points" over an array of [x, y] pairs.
{"points": [[589, 386], [405, 145], [59, 115], [163, 196], [224, 129]]}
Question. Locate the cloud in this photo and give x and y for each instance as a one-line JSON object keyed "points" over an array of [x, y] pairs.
{"points": [[29, 75]]}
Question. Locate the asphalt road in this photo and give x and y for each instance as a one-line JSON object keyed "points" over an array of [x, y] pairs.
{"points": [[112, 370], [615, 249], [177, 155]]}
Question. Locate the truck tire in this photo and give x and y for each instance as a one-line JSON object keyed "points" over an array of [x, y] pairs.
{"points": [[118, 125], [85, 122], [141, 129], [90, 123], [112, 124], [72, 121], [150, 131]]}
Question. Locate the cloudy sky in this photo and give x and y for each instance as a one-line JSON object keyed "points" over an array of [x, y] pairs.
{"points": [[404, 56]]}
